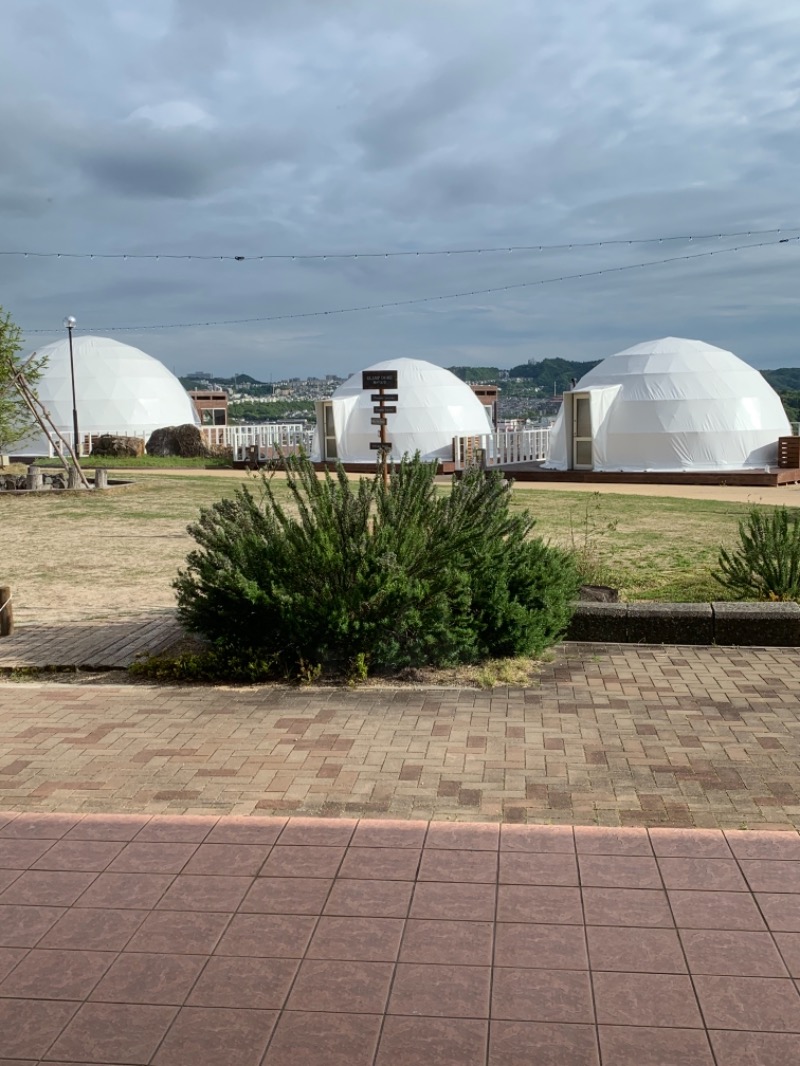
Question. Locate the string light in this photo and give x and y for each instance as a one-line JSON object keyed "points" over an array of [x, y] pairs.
{"points": [[398, 254], [430, 299]]}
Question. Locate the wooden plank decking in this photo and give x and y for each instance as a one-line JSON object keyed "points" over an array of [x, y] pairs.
{"points": [[763, 478], [96, 645]]}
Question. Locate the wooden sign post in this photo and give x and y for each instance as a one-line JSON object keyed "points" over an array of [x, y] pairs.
{"points": [[381, 380]]}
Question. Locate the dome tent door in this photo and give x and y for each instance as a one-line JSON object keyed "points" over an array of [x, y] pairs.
{"points": [[582, 442], [329, 449]]}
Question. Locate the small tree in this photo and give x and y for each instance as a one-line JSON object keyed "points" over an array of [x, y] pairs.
{"points": [[765, 564], [355, 577], [16, 417]]}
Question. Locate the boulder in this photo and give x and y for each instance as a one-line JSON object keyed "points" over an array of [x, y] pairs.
{"points": [[112, 446], [185, 442], [599, 594]]}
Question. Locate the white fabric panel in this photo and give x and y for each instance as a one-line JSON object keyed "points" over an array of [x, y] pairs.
{"points": [[682, 405], [601, 404], [118, 388], [433, 407]]}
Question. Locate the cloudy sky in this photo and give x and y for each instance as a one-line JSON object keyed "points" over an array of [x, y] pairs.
{"points": [[307, 127]]}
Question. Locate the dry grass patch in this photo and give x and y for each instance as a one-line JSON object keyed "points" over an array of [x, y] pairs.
{"points": [[116, 553]]}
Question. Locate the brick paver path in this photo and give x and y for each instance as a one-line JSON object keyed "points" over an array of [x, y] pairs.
{"points": [[611, 735], [187, 941]]}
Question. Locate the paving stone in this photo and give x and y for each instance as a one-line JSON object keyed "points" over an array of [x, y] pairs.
{"points": [[615, 735]]}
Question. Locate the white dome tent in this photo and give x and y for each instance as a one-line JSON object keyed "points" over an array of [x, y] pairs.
{"points": [[669, 405], [119, 389], [433, 407]]}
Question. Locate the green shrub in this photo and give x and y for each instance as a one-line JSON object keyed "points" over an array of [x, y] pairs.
{"points": [[208, 664], [365, 578], [765, 565]]}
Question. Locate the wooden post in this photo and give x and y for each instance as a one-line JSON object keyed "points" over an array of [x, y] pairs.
{"points": [[6, 612], [74, 480], [384, 463], [381, 380], [34, 478], [100, 478]]}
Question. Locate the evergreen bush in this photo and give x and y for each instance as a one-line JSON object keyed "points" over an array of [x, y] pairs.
{"points": [[765, 565], [366, 578]]}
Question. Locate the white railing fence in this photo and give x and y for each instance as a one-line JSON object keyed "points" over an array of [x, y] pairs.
{"points": [[508, 448], [86, 440], [289, 436], [268, 438]]}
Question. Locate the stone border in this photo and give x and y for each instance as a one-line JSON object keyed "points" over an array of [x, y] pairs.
{"points": [[725, 623]]}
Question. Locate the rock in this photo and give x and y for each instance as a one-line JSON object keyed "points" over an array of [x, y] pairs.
{"points": [[185, 442], [599, 594], [116, 447], [222, 451]]}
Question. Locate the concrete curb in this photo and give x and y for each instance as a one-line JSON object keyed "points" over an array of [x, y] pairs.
{"points": [[737, 624]]}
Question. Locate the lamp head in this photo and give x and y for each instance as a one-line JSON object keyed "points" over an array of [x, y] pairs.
{"points": [[70, 321]]}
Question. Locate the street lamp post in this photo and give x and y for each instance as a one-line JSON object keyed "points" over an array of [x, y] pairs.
{"points": [[70, 323]]}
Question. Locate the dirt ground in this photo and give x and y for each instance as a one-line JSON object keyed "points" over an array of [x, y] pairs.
{"points": [[115, 555], [787, 495]]}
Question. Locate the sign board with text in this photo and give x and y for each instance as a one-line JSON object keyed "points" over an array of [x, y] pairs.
{"points": [[378, 379]]}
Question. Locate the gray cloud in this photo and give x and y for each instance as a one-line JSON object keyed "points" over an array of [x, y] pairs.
{"points": [[195, 126]]}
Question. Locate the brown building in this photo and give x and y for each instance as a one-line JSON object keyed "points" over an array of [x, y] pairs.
{"points": [[212, 407], [488, 395]]}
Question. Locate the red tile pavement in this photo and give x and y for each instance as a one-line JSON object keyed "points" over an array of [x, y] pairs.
{"points": [[278, 941]]}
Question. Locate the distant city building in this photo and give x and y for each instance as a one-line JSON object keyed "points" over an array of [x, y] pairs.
{"points": [[488, 395]]}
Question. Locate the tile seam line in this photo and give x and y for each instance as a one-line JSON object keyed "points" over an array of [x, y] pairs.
{"points": [[685, 958], [492, 967], [396, 962], [280, 1013], [754, 897], [152, 910], [596, 1024]]}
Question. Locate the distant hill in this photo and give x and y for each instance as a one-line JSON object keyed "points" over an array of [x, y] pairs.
{"points": [[552, 372], [783, 379], [476, 373]]}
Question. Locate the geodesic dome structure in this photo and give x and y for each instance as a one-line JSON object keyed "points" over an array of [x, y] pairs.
{"points": [[669, 405], [119, 389], [433, 407]]}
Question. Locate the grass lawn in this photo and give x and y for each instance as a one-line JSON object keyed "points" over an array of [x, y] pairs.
{"points": [[75, 556], [144, 462]]}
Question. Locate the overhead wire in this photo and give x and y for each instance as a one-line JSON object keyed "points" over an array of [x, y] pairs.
{"points": [[430, 299], [567, 246]]}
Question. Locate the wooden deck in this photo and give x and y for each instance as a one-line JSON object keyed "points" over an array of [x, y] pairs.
{"points": [[763, 478], [534, 472], [101, 645]]}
